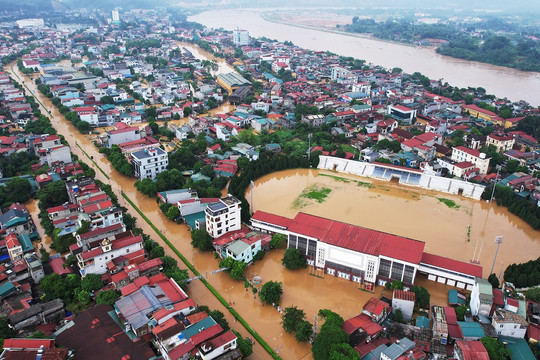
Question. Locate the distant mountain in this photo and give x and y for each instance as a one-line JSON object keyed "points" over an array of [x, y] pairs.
{"points": [[112, 4], [32, 5]]}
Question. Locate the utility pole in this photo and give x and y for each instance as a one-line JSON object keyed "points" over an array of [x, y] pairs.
{"points": [[309, 147], [498, 241], [251, 186], [495, 184]]}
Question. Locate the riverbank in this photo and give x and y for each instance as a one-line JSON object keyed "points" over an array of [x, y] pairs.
{"points": [[503, 82]]}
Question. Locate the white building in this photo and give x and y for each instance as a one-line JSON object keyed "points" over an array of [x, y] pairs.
{"points": [[149, 163], [95, 261], [115, 15], [46, 141], [51, 155], [404, 301], [481, 297], [123, 133], [507, 323], [338, 72], [240, 37], [30, 23], [479, 159], [223, 217]]}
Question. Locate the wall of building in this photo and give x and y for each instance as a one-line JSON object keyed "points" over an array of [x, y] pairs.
{"points": [[430, 182]]}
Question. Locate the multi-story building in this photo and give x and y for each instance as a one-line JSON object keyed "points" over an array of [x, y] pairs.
{"points": [[94, 261], [60, 153], [479, 159], [240, 37], [364, 255], [507, 323], [501, 141], [147, 164], [223, 216], [46, 141], [481, 297], [468, 350], [123, 133]]}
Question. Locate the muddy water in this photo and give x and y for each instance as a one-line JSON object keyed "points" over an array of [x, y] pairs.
{"points": [[406, 211], [388, 210], [198, 53], [46, 240], [179, 235], [503, 82]]}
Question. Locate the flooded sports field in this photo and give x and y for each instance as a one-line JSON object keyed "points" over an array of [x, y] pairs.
{"points": [[451, 226]]}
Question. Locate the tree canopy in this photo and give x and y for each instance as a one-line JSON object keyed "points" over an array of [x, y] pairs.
{"points": [[271, 292], [293, 259]]}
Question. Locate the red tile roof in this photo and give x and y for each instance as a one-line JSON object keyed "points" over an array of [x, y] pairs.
{"points": [[57, 266], [361, 321], [99, 231], [404, 295], [375, 306], [472, 152], [357, 238], [28, 343], [271, 218], [479, 109], [472, 350], [451, 264]]}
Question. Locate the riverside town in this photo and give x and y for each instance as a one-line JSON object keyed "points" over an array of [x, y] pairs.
{"points": [[172, 190]]}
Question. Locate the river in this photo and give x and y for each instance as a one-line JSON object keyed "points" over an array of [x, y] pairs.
{"points": [[405, 211], [500, 81]]}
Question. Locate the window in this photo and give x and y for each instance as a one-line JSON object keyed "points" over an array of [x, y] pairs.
{"points": [[384, 268]]}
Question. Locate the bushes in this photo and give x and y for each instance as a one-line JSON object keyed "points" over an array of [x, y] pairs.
{"points": [[118, 160], [201, 240], [271, 292]]}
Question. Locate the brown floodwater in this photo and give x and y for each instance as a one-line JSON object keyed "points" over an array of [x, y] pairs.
{"points": [[46, 240], [405, 211], [498, 80]]}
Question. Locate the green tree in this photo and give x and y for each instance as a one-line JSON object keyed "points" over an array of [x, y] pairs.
{"points": [[343, 351], [398, 316], [201, 240], [19, 189], [242, 162], [278, 241], [245, 346], [157, 252], [494, 281], [533, 294], [330, 334], [291, 317], [82, 296], [304, 330], [107, 297], [237, 271], [146, 186], [496, 350], [173, 213], [37, 335], [460, 312], [53, 194], [271, 292], [91, 282], [422, 296], [293, 259]]}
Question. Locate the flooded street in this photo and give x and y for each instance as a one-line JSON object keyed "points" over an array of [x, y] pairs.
{"points": [[46, 240], [403, 211], [406, 211], [198, 53]]}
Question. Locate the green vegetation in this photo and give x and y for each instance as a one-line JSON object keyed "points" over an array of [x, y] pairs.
{"points": [[201, 240], [332, 342], [494, 281], [422, 296], [525, 209], [293, 320], [293, 259], [533, 294], [271, 292], [461, 310], [278, 241], [450, 203], [496, 350], [235, 268], [210, 287], [316, 193], [523, 275], [117, 159]]}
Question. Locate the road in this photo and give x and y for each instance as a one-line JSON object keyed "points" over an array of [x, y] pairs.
{"points": [[197, 291]]}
